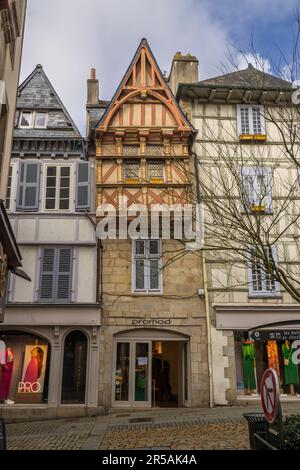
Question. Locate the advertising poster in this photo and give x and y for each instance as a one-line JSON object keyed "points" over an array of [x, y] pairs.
{"points": [[34, 368]]}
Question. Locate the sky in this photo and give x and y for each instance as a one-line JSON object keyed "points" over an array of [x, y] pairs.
{"points": [[68, 37]]}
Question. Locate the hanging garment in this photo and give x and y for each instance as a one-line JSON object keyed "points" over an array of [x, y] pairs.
{"points": [[248, 366], [291, 375]]}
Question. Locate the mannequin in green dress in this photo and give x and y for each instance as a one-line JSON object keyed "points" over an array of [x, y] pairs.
{"points": [[248, 355], [291, 375]]}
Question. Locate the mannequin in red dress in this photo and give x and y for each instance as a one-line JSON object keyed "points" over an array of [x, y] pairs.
{"points": [[6, 373]]}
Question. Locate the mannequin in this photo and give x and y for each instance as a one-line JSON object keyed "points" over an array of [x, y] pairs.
{"points": [[248, 354], [291, 375], [6, 374]]}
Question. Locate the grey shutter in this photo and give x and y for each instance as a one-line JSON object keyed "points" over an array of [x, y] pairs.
{"points": [[29, 184], [83, 186], [64, 275], [46, 293], [21, 186]]}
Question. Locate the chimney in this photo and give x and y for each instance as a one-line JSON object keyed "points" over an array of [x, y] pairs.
{"points": [[184, 69], [92, 89]]}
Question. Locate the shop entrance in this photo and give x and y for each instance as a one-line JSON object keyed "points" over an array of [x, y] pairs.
{"points": [[151, 373]]}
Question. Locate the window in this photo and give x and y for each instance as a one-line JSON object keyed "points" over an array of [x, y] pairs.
{"points": [[28, 186], [56, 275], [33, 119], [57, 188], [256, 189], [132, 170], [155, 150], [40, 120], [262, 283], [251, 122], [147, 275], [26, 119], [8, 193], [156, 171]]}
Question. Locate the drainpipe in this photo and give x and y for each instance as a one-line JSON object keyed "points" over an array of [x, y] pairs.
{"points": [[209, 342], [206, 299]]}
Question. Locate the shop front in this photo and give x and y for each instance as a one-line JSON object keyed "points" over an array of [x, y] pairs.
{"points": [[264, 349], [151, 370], [256, 338], [50, 372], [25, 366]]}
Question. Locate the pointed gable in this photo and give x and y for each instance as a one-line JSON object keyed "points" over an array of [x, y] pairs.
{"points": [[143, 99], [37, 94]]}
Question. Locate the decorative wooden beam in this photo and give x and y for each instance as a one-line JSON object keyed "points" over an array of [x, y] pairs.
{"points": [[262, 98], [212, 95], [279, 96], [247, 96], [229, 95]]}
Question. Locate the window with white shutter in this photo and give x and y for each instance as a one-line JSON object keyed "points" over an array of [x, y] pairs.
{"points": [[256, 189], [251, 122], [56, 275], [83, 186], [28, 186], [262, 281], [147, 266]]}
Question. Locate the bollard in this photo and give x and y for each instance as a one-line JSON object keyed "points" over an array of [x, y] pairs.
{"points": [[2, 435]]}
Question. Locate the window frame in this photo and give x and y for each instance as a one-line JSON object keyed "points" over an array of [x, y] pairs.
{"points": [[46, 120], [13, 189], [255, 172], [31, 119], [264, 293], [147, 257], [132, 180], [33, 116], [156, 180], [58, 166], [251, 133]]}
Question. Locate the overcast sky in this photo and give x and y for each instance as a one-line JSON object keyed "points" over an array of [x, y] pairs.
{"points": [[68, 37]]}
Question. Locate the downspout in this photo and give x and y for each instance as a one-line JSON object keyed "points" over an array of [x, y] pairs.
{"points": [[209, 341], [206, 299]]}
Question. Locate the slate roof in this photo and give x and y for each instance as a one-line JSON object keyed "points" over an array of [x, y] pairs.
{"points": [[248, 78], [37, 93]]}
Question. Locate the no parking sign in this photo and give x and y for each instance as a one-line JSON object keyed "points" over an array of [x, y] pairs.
{"points": [[270, 395]]}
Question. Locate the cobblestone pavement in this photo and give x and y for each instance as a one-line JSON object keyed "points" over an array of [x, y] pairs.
{"points": [[49, 435], [181, 436], [216, 428]]}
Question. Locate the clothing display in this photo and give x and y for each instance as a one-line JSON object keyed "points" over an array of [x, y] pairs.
{"points": [[6, 374], [248, 355], [273, 356], [31, 374], [291, 374]]}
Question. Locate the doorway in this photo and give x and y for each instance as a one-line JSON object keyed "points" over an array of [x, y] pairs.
{"points": [[151, 373]]}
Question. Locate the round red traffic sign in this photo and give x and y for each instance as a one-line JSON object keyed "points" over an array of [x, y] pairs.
{"points": [[270, 395]]}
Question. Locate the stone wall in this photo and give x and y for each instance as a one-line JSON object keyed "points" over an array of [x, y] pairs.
{"points": [[179, 305]]}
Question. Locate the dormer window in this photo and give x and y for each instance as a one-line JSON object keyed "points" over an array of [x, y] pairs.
{"points": [[33, 119], [26, 119], [40, 120]]}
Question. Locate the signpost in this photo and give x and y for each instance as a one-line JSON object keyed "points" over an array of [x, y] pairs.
{"points": [[270, 400]]}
